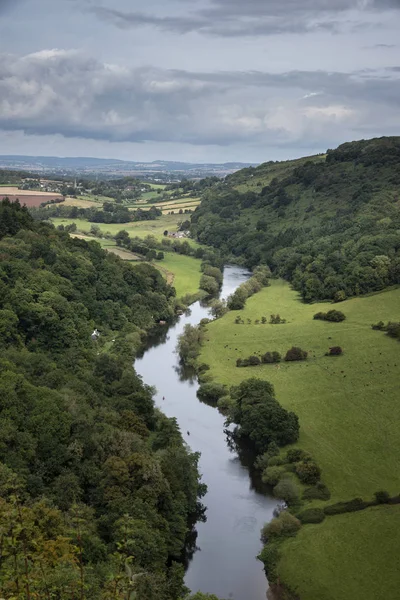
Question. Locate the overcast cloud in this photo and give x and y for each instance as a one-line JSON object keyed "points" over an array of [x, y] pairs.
{"points": [[208, 80]]}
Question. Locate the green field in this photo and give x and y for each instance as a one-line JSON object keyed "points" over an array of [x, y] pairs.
{"points": [[186, 271], [348, 405], [347, 557], [137, 228]]}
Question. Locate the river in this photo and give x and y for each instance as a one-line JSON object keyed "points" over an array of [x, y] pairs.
{"points": [[224, 562]]}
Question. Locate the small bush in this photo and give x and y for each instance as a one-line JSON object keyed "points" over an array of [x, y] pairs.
{"points": [[312, 515], [335, 351], [272, 475], [335, 316], [380, 326], [393, 330], [211, 392], [339, 296], [382, 497], [296, 353], [286, 525], [271, 357], [308, 472], [317, 492], [254, 361], [287, 490]]}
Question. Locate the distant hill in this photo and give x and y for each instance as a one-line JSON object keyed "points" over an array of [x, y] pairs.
{"points": [[330, 223], [115, 167]]}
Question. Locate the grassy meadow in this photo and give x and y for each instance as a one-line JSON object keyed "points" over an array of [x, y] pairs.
{"points": [[347, 557], [185, 270], [347, 405]]}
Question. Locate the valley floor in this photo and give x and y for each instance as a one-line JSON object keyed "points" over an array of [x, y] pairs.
{"points": [[349, 410]]}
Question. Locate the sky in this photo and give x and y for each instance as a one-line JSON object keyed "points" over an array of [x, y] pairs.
{"points": [[196, 80]]}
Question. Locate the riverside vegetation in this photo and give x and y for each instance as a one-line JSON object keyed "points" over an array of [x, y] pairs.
{"points": [[96, 484], [331, 227]]}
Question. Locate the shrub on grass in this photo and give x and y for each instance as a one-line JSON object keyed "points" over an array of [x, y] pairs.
{"points": [[335, 316], [254, 361], [317, 492], [271, 357], [311, 515], [295, 353], [285, 525], [272, 475], [308, 472], [287, 490], [346, 507], [380, 326], [393, 330], [335, 351], [382, 497]]}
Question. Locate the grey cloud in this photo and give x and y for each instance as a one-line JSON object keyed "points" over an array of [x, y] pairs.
{"points": [[59, 92], [230, 18]]}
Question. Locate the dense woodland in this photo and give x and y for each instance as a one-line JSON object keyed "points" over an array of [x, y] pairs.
{"points": [[331, 227], [96, 485]]}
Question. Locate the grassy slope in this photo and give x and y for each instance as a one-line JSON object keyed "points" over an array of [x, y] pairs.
{"points": [[186, 271], [348, 406], [328, 561]]}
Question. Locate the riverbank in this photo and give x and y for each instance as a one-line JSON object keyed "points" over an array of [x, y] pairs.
{"points": [[347, 406]]}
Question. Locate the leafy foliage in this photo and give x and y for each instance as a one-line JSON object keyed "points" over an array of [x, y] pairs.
{"points": [[96, 485], [260, 417], [330, 226]]}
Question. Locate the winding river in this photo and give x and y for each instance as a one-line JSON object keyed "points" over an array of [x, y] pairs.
{"points": [[224, 562]]}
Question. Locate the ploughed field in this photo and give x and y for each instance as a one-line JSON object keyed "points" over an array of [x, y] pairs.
{"points": [[349, 411], [30, 198]]}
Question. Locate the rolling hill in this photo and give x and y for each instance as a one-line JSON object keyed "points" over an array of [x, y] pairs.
{"points": [[330, 224]]}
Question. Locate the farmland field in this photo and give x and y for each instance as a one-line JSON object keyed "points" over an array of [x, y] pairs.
{"points": [[347, 557], [30, 198], [344, 403], [137, 228], [348, 408]]}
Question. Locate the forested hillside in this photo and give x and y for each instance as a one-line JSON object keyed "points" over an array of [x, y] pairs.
{"points": [[96, 485], [329, 225]]}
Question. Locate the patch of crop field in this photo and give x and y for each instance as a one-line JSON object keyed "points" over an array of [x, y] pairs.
{"points": [[156, 186], [138, 228], [348, 406], [352, 556], [14, 191], [80, 202]]}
